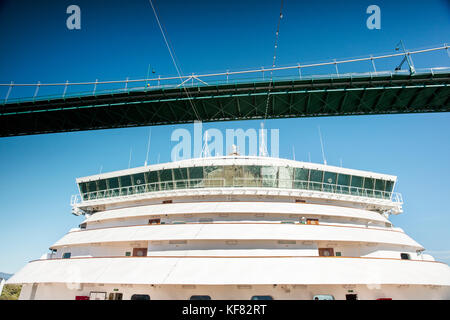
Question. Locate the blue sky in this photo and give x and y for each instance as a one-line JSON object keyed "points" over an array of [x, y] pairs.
{"points": [[117, 41]]}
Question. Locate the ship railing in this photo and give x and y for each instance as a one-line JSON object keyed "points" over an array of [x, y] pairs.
{"points": [[153, 187], [317, 186], [186, 184]]}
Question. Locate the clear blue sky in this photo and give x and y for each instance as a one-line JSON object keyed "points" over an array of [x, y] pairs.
{"points": [[118, 41]]}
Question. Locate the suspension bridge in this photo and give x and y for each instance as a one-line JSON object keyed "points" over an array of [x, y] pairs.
{"points": [[276, 92]]}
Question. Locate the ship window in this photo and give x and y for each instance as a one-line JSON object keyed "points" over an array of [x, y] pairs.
{"points": [[83, 187], [262, 298], [389, 186], [301, 178], [138, 179], [66, 255], [285, 177], [326, 252], [343, 179], [329, 180], [330, 177], [405, 256], [379, 185], [357, 182], [113, 183], [115, 296], [269, 176], [315, 178], [195, 176], [83, 226], [139, 252], [102, 184], [92, 186], [140, 297], [154, 221], [165, 175], [338, 254], [167, 201], [152, 176], [252, 172], [166, 179], [83, 190], [180, 177], [234, 176], [214, 176], [205, 220], [200, 298], [368, 183], [94, 295], [127, 254], [300, 201], [125, 181]]}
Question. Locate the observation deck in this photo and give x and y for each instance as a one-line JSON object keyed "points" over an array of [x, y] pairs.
{"points": [[239, 175]]}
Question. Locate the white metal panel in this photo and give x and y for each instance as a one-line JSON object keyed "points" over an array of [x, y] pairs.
{"points": [[209, 271], [247, 231], [237, 207]]}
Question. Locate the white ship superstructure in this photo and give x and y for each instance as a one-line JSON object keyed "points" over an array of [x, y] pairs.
{"points": [[236, 227]]}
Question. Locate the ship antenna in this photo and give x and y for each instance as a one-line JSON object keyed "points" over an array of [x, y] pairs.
{"points": [[262, 142], [148, 146], [205, 150], [293, 152], [321, 144], [129, 160]]}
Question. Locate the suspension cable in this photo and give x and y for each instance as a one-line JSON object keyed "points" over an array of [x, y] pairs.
{"points": [[230, 73], [174, 62], [274, 60]]}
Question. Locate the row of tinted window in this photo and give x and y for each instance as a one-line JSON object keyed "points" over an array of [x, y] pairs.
{"points": [[195, 297], [283, 177]]}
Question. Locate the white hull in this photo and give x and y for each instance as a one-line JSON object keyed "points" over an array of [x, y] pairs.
{"points": [[232, 292]]}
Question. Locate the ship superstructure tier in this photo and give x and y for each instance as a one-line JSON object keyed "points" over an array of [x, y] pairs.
{"points": [[236, 227]]}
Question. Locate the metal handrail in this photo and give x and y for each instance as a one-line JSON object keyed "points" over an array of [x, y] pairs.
{"points": [[235, 182], [66, 95], [211, 78]]}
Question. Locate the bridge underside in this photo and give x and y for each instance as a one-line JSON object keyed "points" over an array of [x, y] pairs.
{"points": [[243, 101]]}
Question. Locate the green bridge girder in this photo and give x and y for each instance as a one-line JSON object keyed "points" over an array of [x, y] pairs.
{"points": [[362, 95]]}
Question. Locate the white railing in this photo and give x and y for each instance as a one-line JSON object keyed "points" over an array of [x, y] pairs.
{"points": [[61, 90], [234, 182]]}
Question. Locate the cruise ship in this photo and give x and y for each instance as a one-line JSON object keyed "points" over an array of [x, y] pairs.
{"points": [[236, 227]]}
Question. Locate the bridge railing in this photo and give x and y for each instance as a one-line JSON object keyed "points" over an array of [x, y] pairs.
{"points": [[69, 89]]}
